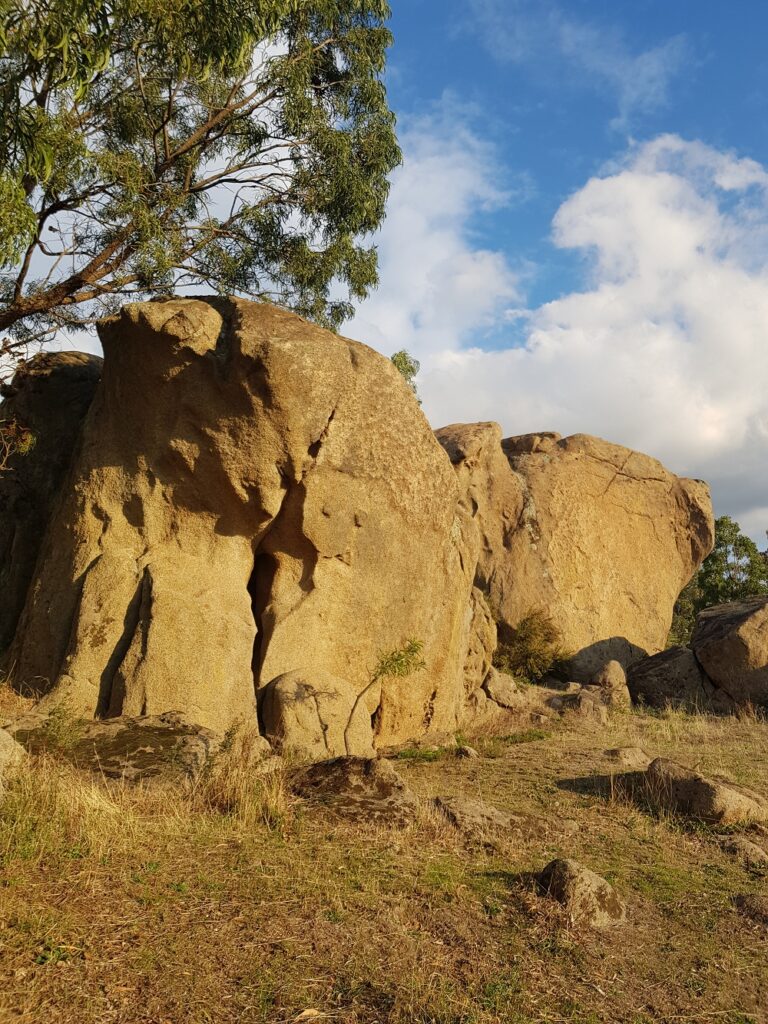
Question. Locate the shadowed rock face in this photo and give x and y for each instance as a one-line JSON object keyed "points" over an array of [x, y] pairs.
{"points": [[730, 643], [50, 397], [599, 536], [252, 496]]}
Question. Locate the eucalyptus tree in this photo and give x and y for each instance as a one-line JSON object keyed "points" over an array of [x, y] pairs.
{"points": [[235, 146]]}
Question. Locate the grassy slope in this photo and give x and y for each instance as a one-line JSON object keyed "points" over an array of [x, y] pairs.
{"points": [[136, 906]]}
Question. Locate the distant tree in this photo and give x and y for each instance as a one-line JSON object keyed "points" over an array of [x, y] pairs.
{"points": [[735, 570], [408, 366], [242, 146]]}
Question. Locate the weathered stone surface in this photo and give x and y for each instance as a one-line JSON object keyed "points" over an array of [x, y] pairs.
{"points": [[634, 758], [475, 817], [11, 757], [611, 680], [753, 906], [50, 396], [750, 854], [588, 898], [678, 789], [252, 496], [502, 689], [360, 789], [730, 642], [601, 537], [166, 746], [481, 641], [316, 716]]}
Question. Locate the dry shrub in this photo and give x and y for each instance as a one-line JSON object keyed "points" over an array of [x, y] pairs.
{"points": [[532, 649], [238, 782]]}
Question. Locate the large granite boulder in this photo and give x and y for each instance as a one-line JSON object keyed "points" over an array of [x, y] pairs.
{"points": [[675, 678], [600, 537], [730, 642], [49, 396], [252, 495], [725, 667]]}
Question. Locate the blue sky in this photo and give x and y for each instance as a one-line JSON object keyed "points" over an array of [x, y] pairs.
{"points": [[578, 237]]}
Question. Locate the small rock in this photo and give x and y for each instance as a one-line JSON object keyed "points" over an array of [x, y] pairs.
{"points": [[537, 718], [474, 816], [588, 898], [611, 680], [587, 705], [753, 906], [753, 856], [634, 758], [316, 716], [502, 689], [714, 801], [467, 752], [357, 788]]}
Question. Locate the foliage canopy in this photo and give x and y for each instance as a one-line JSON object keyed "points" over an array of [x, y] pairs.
{"points": [[151, 145], [408, 367], [735, 570]]}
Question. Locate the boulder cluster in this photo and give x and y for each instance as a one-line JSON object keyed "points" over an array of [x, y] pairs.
{"points": [[240, 517]]}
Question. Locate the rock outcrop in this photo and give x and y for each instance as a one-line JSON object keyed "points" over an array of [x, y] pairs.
{"points": [[50, 397], [725, 667], [600, 537], [251, 496], [673, 677], [730, 643]]}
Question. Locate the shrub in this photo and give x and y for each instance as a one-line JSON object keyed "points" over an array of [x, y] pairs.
{"points": [[532, 649]]}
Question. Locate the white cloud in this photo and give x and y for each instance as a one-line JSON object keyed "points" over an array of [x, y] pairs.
{"points": [[532, 32], [665, 351], [436, 284]]}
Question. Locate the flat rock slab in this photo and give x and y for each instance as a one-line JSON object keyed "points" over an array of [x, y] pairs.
{"points": [[358, 789], [475, 817], [165, 746], [588, 898], [675, 788]]}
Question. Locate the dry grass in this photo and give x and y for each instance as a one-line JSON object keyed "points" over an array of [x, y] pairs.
{"points": [[231, 902], [12, 704]]}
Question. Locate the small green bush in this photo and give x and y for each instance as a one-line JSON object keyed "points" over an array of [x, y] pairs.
{"points": [[532, 649]]}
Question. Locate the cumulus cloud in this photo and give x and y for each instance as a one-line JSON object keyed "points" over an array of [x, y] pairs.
{"points": [[532, 31], [437, 283], [665, 349]]}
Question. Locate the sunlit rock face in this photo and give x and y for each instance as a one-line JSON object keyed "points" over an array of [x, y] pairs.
{"points": [[251, 496], [600, 537]]}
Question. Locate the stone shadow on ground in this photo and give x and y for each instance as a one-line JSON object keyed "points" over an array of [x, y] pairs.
{"points": [[627, 784]]}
